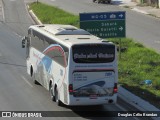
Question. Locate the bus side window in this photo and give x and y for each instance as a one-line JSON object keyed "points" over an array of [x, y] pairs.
{"points": [[66, 54], [57, 56], [38, 41], [28, 43], [48, 41]]}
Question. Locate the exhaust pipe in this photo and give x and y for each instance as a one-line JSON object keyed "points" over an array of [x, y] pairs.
{"points": [[110, 101]]}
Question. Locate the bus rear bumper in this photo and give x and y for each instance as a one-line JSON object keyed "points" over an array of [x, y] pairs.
{"points": [[74, 101]]}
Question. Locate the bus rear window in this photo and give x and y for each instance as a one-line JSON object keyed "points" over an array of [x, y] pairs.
{"points": [[93, 53]]}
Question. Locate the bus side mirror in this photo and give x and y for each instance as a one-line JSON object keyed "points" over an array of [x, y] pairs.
{"points": [[24, 41]]}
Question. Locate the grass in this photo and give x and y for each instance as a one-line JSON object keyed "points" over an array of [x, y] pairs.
{"points": [[136, 64], [48, 14]]}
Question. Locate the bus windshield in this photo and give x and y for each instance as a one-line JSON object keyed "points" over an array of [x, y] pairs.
{"points": [[93, 53]]}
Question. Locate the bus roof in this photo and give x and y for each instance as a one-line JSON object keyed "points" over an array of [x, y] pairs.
{"points": [[67, 34]]}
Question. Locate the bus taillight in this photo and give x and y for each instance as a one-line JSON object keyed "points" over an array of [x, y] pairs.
{"points": [[70, 88], [115, 90]]}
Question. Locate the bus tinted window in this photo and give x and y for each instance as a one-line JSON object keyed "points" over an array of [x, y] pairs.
{"points": [[93, 53], [41, 42], [57, 55], [37, 41]]}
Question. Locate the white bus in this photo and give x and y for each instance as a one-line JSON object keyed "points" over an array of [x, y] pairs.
{"points": [[76, 67]]}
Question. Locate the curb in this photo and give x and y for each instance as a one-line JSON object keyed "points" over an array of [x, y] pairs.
{"points": [[34, 17], [137, 102], [140, 11]]}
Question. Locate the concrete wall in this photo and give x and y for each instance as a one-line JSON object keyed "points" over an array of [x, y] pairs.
{"points": [[149, 2], [153, 3]]}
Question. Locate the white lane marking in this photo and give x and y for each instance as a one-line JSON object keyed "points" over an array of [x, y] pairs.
{"points": [[53, 0], [3, 17], [27, 81], [17, 35], [12, 0]]}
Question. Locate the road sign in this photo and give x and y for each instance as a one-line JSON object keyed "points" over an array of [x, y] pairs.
{"points": [[104, 24]]}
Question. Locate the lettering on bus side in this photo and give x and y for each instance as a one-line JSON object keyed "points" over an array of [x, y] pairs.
{"points": [[94, 53]]}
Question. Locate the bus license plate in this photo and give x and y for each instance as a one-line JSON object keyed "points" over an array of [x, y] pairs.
{"points": [[93, 96]]}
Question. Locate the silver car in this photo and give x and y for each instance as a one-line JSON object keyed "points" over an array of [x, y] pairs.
{"points": [[102, 1]]}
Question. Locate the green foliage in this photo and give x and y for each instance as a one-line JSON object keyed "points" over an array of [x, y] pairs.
{"points": [[53, 15], [137, 64]]}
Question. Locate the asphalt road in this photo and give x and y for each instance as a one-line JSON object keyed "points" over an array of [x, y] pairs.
{"points": [[16, 16], [17, 91]]}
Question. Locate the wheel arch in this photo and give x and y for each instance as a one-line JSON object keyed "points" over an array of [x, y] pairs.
{"points": [[31, 70]]}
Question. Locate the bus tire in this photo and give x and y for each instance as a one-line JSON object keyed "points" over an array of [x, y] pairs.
{"points": [[109, 1], [34, 80], [57, 98], [33, 76], [51, 92]]}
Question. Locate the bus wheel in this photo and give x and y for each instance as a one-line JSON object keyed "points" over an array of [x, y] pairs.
{"points": [[109, 1], [33, 76], [51, 92], [56, 97], [34, 80]]}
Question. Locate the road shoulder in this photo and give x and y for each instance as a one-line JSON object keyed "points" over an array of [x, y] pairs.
{"points": [[1, 11], [153, 11]]}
